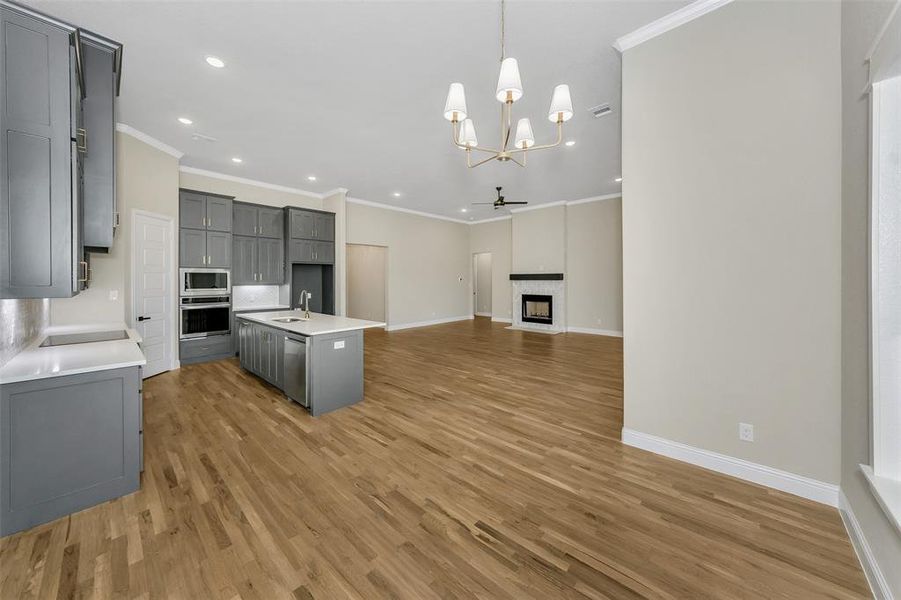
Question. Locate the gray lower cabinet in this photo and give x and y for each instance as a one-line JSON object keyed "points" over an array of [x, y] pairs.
{"points": [[333, 373], [68, 443], [199, 248], [40, 162], [205, 349]]}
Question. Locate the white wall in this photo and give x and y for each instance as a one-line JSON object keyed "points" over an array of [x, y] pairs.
{"points": [[594, 265], [147, 179], [539, 240], [731, 234], [861, 21], [496, 237], [428, 262], [481, 281]]}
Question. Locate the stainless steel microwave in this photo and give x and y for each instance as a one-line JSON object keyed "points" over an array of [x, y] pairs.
{"points": [[204, 282]]}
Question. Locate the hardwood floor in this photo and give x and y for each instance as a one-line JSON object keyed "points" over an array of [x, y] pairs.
{"points": [[484, 463]]}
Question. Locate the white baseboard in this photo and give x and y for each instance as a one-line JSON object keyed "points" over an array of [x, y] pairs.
{"points": [[812, 489], [592, 331], [874, 575], [501, 319], [483, 314], [427, 323]]}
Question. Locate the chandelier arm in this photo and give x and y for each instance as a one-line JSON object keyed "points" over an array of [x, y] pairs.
{"points": [[481, 162], [454, 137], [521, 164], [545, 146]]}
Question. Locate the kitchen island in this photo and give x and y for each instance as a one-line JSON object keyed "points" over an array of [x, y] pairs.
{"points": [[317, 362]]}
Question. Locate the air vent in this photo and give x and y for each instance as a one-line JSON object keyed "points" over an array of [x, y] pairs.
{"points": [[203, 138], [600, 110]]}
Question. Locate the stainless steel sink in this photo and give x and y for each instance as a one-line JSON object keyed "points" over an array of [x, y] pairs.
{"points": [[288, 319]]}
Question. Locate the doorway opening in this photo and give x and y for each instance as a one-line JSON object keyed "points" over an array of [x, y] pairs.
{"points": [[481, 284], [367, 282]]}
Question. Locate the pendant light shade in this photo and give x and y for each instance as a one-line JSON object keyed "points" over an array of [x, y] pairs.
{"points": [[468, 134], [561, 104], [509, 81], [524, 136], [456, 103]]}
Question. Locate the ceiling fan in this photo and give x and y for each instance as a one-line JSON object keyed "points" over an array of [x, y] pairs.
{"points": [[500, 202]]}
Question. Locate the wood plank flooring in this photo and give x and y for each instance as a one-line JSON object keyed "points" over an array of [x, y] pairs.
{"points": [[484, 463]]}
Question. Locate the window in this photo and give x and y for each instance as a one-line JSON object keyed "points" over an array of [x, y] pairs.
{"points": [[885, 295]]}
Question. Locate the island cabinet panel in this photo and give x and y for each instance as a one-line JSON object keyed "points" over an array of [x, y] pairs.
{"points": [[336, 371], [67, 443]]}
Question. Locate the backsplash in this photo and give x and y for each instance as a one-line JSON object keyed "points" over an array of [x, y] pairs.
{"points": [[255, 295], [20, 322]]}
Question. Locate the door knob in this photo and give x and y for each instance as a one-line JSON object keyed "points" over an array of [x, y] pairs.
{"points": [[143, 318]]}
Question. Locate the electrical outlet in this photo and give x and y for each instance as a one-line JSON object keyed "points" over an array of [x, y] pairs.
{"points": [[113, 295], [746, 432]]}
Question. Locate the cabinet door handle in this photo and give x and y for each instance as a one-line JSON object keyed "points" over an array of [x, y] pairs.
{"points": [[203, 259], [209, 259], [85, 265]]}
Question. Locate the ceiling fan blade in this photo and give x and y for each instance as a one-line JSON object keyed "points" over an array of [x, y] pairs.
{"points": [[515, 202], [486, 203]]}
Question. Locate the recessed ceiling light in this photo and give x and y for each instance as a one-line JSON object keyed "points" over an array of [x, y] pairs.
{"points": [[311, 177], [215, 61], [396, 194], [237, 160], [462, 210], [185, 120], [618, 180], [571, 143]]}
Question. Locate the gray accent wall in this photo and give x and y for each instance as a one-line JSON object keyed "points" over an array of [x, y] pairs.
{"points": [[21, 321], [861, 21]]}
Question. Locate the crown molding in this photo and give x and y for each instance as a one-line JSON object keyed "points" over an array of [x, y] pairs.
{"points": [[409, 211], [684, 15], [549, 205], [149, 140], [491, 220], [594, 199], [338, 190], [538, 207], [246, 181]]}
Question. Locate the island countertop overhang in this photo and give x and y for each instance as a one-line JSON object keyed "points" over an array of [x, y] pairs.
{"points": [[319, 324]]}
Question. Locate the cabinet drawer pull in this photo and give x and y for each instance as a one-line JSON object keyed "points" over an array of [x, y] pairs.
{"points": [[81, 140], [85, 265]]}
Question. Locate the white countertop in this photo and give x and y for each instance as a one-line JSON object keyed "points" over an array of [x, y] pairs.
{"points": [[262, 307], [38, 363], [319, 324]]}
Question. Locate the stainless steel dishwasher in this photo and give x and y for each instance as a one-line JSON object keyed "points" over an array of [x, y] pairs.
{"points": [[296, 371]]}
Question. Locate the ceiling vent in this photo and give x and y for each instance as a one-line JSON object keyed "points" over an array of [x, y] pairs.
{"points": [[203, 138], [600, 110]]}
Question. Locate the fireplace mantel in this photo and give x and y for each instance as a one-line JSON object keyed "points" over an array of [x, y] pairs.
{"points": [[536, 276]]}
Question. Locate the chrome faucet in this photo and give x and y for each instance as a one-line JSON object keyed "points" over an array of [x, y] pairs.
{"points": [[305, 303]]}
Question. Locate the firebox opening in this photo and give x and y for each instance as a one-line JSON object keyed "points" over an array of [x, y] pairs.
{"points": [[538, 308]]}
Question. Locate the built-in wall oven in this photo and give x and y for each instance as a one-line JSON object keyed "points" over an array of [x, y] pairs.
{"points": [[204, 316], [204, 282]]}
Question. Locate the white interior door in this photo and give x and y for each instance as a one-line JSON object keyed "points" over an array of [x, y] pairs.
{"points": [[152, 292], [481, 284], [366, 282]]}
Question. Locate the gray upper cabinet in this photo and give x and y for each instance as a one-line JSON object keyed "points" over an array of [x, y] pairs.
{"points": [[303, 224], [40, 168], [219, 249], [100, 209], [244, 220], [244, 258], [271, 260], [198, 210], [218, 213], [300, 251], [324, 227], [192, 210], [324, 253], [271, 222], [192, 248], [312, 236]]}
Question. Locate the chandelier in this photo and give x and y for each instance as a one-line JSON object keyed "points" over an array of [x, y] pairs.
{"points": [[509, 90]]}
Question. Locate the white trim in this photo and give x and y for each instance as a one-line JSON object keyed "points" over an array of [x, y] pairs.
{"points": [[538, 206], [594, 199], [483, 314], [501, 320], [428, 323], [409, 211], [149, 140], [338, 190], [887, 493], [818, 491], [491, 220], [684, 15], [882, 31], [875, 577], [253, 182], [593, 331], [174, 362]]}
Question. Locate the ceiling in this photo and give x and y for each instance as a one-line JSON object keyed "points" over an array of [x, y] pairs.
{"points": [[353, 92]]}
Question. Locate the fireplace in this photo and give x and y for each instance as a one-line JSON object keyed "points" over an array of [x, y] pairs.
{"points": [[538, 308]]}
